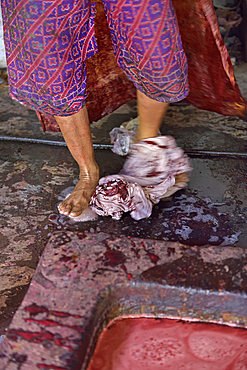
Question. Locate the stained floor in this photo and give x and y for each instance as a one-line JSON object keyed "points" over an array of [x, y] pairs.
{"points": [[211, 211]]}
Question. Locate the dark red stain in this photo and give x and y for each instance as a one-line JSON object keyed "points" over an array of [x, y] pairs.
{"points": [[151, 142], [39, 337], [80, 235], [113, 188], [113, 258], [135, 249], [106, 244], [153, 258], [52, 217], [170, 251], [35, 337], [19, 358], [156, 144], [52, 367], [35, 310], [153, 174], [129, 276], [61, 342], [73, 258], [64, 314], [55, 323], [66, 258]]}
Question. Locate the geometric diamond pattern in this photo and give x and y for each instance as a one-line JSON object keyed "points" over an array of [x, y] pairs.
{"points": [[48, 41], [148, 47]]}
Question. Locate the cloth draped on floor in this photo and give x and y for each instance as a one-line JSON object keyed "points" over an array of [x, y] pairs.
{"points": [[55, 29], [155, 169]]}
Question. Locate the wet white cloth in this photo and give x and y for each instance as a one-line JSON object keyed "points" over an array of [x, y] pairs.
{"points": [[114, 195], [124, 136], [152, 171]]}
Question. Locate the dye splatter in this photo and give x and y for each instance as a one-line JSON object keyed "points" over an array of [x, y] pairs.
{"points": [[185, 218], [193, 220]]}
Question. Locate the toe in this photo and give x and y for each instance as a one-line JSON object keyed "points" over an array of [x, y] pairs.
{"points": [[77, 210], [64, 209]]}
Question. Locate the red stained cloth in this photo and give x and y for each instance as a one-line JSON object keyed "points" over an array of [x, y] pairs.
{"points": [[211, 77], [155, 169]]}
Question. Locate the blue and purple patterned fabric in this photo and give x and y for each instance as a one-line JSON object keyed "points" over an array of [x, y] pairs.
{"points": [[47, 43]]}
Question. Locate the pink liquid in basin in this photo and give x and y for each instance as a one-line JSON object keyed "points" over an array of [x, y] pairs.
{"points": [[150, 344]]}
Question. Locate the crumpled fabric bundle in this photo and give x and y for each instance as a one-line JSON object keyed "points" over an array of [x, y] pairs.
{"points": [[114, 196], [156, 168]]}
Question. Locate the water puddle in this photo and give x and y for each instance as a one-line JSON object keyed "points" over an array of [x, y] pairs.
{"points": [[185, 218]]}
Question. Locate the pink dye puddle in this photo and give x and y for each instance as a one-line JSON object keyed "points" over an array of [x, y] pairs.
{"points": [[150, 344]]}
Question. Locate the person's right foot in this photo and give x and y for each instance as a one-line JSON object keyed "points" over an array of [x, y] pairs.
{"points": [[81, 195]]}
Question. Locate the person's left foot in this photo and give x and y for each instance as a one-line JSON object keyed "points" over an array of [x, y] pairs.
{"points": [[81, 195]]}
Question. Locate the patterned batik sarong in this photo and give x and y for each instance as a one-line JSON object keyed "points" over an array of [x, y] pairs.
{"points": [[48, 41]]}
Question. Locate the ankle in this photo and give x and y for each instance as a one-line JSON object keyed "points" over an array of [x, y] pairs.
{"points": [[142, 134], [91, 170]]}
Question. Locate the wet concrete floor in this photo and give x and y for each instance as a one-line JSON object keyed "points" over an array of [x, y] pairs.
{"points": [[211, 211]]}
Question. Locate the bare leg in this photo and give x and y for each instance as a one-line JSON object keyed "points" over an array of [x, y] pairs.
{"points": [[77, 134], [151, 113]]}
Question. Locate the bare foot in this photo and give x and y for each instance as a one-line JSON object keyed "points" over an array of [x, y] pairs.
{"points": [[81, 195]]}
